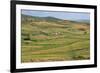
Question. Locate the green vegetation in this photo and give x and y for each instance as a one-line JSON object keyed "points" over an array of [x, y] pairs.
{"points": [[52, 39]]}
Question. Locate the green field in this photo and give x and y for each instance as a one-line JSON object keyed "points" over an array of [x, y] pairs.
{"points": [[50, 39]]}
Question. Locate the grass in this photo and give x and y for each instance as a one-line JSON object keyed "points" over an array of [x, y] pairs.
{"points": [[53, 41]]}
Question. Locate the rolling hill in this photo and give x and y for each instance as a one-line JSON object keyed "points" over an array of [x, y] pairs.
{"points": [[52, 39]]}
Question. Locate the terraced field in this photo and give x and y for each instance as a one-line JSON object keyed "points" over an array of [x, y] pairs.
{"points": [[51, 39]]}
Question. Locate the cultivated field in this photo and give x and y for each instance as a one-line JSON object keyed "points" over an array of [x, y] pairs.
{"points": [[51, 39]]}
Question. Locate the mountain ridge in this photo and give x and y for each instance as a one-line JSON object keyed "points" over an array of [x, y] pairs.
{"points": [[49, 18]]}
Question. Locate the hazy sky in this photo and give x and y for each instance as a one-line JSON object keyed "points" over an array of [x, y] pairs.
{"points": [[58, 14]]}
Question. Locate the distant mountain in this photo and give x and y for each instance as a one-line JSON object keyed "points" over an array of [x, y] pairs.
{"points": [[28, 18], [83, 21], [31, 18], [52, 18]]}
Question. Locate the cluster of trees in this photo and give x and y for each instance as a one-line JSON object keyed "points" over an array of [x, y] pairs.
{"points": [[26, 36]]}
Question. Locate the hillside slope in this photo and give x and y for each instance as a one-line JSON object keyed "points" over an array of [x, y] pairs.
{"points": [[52, 39]]}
